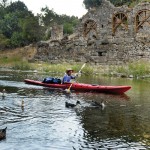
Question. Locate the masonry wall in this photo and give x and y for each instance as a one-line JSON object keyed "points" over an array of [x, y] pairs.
{"points": [[106, 35]]}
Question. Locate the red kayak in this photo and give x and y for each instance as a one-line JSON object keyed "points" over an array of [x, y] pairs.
{"points": [[83, 87]]}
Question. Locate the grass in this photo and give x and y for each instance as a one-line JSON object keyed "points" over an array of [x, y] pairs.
{"points": [[24, 65], [5, 60], [15, 63], [59, 68], [137, 69]]}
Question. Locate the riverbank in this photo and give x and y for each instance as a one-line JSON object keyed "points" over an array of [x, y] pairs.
{"points": [[137, 69], [19, 59]]}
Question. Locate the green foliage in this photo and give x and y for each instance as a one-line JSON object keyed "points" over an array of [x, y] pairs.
{"points": [[29, 33], [4, 42], [48, 17], [96, 3], [23, 65], [136, 69], [92, 3], [17, 6], [119, 2], [19, 27], [61, 68], [125, 2], [4, 3], [9, 24], [87, 70], [17, 39], [68, 28]]}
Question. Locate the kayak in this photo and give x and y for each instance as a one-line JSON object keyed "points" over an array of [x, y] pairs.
{"points": [[82, 87]]}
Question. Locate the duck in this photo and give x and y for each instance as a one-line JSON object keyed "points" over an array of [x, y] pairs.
{"points": [[3, 93], [3, 133], [70, 105], [2, 110], [22, 103], [98, 105]]}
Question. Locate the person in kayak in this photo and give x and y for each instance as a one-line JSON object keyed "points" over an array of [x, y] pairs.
{"points": [[68, 76]]}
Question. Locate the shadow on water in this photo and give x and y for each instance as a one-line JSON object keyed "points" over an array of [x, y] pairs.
{"points": [[36, 117]]}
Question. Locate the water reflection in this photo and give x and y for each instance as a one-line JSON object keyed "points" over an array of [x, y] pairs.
{"points": [[36, 117]]}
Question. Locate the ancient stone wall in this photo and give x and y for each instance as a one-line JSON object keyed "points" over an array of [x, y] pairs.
{"points": [[106, 35], [56, 32]]}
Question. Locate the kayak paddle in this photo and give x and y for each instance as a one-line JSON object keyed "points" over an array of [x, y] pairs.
{"points": [[68, 90]]}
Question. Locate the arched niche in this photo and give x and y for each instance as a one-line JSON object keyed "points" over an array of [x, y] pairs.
{"points": [[119, 20], [90, 29], [142, 19]]}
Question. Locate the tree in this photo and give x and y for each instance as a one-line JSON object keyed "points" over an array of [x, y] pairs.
{"points": [[19, 25], [17, 39], [3, 3], [17, 6], [68, 28], [31, 30], [48, 17], [9, 24], [92, 3], [4, 42]]}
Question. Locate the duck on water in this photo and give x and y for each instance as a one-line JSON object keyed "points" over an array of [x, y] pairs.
{"points": [[3, 133], [70, 105], [98, 105], [3, 93]]}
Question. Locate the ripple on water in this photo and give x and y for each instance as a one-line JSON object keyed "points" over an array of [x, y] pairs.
{"points": [[45, 123]]}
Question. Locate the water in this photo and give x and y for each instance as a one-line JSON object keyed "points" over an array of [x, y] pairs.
{"points": [[44, 123]]}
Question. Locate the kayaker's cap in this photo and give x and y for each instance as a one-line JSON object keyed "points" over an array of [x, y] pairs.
{"points": [[68, 70]]}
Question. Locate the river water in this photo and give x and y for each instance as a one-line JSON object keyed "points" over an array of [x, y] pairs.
{"points": [[44, 123]]}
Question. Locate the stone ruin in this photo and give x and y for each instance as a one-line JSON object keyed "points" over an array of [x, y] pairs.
{"points": [[56, 32], [105, 35]]}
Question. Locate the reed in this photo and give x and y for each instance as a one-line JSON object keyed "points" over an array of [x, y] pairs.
{"points": [[135, 69], [59, 68], [22, 65], [15, 62], [139, 69]]}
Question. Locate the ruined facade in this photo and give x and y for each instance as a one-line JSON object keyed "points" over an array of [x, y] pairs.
{"points": [[106, 35], [56, 32]]}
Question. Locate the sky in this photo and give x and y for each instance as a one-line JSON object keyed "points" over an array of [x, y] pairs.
{"points": [[68, 7]]}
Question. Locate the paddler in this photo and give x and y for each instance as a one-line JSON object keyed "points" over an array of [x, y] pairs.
{"points": [[68, 76]]}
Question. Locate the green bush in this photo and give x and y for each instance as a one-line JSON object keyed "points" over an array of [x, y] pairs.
{"points": [[4, 42]]}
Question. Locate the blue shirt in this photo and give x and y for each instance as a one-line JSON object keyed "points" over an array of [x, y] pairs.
{"points": [[67, 78]]}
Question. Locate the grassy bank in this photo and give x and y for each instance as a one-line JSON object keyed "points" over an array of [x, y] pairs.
{"points": [[18, 64], [137, 69]]}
